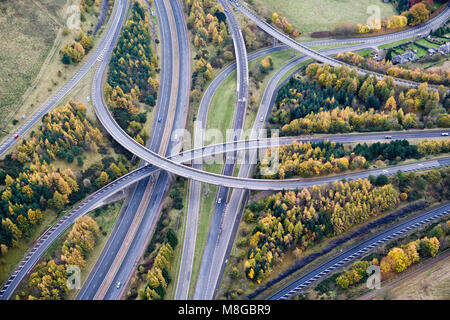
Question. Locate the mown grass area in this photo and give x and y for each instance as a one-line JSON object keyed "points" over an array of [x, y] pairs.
{"points": [[28, 30], [394, 44], [312, 15], [221, 111], [34, 71], [427, 44], [206, 209]]}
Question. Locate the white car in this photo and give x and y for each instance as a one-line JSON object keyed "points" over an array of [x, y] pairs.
{"points": [[444, 134], [118, 285], [219, 201], [261, 120]]}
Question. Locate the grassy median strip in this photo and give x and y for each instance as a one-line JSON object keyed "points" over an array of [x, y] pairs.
{"points": [[206, 208], [279, 59], [220, 116]]}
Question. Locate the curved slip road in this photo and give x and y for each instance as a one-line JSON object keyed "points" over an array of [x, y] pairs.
{"points": [[97, 199], [242, 86]]}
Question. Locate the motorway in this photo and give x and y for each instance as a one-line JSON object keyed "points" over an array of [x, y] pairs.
{"points": [[98, 198], [127, 253], [137, 202], [219, 243], [238, 125], [247, 181], [220, 239], [146, 227], [363, 248], [113, 29]]}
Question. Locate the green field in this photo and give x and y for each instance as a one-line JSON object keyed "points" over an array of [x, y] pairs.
{"points": [[221, 111], [312, 15], [427, 44], [394, 44], [28, 30], [206, 209], [420, 51]]}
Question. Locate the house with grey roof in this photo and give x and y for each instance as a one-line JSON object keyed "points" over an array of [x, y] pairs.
{"points": [[445, 48], [404, 58]]}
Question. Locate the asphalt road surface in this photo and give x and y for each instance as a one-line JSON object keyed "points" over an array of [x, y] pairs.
{"points": [[133, 250], [100, 56]]}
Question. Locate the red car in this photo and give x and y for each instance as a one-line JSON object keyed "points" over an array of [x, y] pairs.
{"points": [[16, 136], [388, 137]]}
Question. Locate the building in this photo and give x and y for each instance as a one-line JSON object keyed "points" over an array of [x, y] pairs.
{"points": [[445, 48], [404, 58]]}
